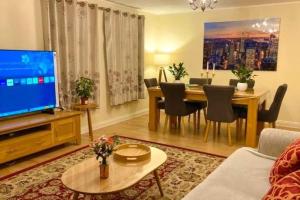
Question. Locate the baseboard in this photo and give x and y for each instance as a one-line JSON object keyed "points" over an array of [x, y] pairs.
{"points": [[115, 120], [288, 124]]}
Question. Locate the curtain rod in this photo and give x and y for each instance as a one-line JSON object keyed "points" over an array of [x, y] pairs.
{"points": [[82, 3]]}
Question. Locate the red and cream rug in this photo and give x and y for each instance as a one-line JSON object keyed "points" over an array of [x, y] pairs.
{"points": [[183, 171]]}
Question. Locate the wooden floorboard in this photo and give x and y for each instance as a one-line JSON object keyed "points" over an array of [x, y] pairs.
{"points": [[138, 128]]}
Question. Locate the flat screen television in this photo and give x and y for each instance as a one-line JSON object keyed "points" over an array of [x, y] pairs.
{"points": [[27, 82]]}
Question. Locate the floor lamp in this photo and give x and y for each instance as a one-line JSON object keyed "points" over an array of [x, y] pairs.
{"points": [[162, 60]]}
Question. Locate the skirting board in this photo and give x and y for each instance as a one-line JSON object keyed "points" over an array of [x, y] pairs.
{"points": [[288, 124], [115, 120]]}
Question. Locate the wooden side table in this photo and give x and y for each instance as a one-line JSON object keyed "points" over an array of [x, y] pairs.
{"points": [[87, 108]]}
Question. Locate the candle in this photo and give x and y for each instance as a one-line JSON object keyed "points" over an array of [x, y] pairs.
{"points": [[207, 66], [214, 66]]}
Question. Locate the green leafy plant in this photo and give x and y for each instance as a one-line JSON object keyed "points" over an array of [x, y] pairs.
{"points": [[243, 73], [178, 71], [84, 87]]}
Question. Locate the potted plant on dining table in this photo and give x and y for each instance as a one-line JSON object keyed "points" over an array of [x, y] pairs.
{"points": [[245, 77], [178, 71]]}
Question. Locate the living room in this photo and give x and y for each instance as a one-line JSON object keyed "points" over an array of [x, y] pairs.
{"points": [[191, 153]]}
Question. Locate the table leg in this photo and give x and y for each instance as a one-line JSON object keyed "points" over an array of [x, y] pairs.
{"points": [[90, 124], [158, 182], [252, 122], [152, 113], [75, 195]]}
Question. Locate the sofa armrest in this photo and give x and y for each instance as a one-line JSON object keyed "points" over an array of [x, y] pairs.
{"points": [[272, 142]]}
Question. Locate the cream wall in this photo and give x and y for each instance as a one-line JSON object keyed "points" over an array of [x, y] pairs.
{"points": [[182, 35], [21, 28]]}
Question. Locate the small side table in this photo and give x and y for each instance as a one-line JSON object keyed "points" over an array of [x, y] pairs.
{"points": [[87, 108]]}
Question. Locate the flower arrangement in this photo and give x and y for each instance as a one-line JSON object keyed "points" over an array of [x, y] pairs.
{"points": [[104, 147], [178, 71]]}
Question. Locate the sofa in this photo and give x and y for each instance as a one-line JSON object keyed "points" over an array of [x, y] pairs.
{"points": [[244, 175]]}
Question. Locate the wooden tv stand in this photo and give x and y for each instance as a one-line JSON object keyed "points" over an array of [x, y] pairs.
{"points": [[29, 134]]}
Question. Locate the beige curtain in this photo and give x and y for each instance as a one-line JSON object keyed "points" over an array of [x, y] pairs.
{"points": [[124, 49], [70, 29]]}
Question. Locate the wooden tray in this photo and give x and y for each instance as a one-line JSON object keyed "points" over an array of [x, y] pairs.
{"points": [[132, 152]]}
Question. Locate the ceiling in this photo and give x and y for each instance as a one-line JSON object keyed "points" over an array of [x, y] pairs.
{"points": [[174, 6]]}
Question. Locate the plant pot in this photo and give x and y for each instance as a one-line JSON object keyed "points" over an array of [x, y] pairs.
{"points": [[84, 100], [251, 84], [104, 171], [242, 86], [177, 81]]}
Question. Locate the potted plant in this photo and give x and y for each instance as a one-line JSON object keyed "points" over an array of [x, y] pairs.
{"points": [[178, 71], [245, 77], [84, 88], [103, 147]]}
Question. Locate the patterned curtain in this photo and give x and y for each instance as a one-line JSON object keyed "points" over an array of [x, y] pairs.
{"points": [[70, 29], [124, 43]]}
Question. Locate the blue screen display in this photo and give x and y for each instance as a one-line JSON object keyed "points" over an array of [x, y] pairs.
{"points": [[27, 81]]}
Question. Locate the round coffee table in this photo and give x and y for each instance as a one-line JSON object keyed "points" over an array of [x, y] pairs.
{"points": [[84, 178]]}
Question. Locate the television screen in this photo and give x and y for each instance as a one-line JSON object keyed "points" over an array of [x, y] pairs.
{"points": [[27, 81]]}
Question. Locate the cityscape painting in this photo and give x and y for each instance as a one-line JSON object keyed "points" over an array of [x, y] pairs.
{"points": [[253, 43]]}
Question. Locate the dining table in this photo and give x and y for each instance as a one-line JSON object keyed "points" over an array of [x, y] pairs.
{"points": [[253, 99]]}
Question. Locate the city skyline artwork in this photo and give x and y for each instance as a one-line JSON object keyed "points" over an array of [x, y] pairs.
{"points": [[253, 43]]}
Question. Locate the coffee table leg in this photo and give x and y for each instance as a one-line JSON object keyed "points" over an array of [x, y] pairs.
{"points": [[158, 182], [75, 195]]}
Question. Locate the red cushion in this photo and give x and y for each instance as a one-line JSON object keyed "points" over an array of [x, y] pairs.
{"points": [[288, 162], [287, 188]]}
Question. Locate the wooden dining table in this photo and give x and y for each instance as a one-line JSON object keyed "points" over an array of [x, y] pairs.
{"points": [[253, 99]]}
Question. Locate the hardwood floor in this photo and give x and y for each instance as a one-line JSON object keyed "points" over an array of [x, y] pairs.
{"points": [[138, 128]]}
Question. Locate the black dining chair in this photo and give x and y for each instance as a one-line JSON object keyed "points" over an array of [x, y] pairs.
{"points": [[219, 108], [201, 81], [270, 115], [203, 105], [152, 82], [175, 104]]}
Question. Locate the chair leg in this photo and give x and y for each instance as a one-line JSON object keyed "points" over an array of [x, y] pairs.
{"points": [[198, 119], [183, 124], [273, 124], [238, 124], [229, 134], [219, 128], [166, 123], [214, 128], [179, 121], [207, 130], [205, 115], [195, 121], [189, 119]]}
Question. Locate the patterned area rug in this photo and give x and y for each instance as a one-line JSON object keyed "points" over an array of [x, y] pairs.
{"points": [[183, 171]]}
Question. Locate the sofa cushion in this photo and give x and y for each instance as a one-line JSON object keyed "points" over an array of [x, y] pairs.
{"points": [[287, 187], [243, 175], [287, 162]]}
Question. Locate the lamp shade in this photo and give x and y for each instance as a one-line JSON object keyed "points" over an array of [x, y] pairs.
{"points": [[162, 59]]}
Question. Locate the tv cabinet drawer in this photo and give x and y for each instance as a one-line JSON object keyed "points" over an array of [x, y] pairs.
{"points": [[24, 145], [64, 130]]}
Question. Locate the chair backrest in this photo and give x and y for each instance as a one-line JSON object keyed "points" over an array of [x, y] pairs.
{"points": [[219, 103], [151, 82], [276, 104], [201, 81], [174, 94], [233, 82]]}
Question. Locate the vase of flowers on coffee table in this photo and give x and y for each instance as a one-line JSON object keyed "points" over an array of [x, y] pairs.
{"points": [[103, 148]]}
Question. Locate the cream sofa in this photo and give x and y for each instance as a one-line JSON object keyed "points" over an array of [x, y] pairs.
{"points": [[244, 174]]}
